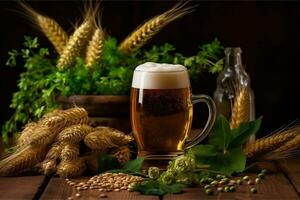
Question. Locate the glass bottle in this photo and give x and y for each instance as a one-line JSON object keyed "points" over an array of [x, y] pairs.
{"points": [[230, 84]]}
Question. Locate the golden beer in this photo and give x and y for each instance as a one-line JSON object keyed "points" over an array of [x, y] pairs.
{"points": [[162, 110], [161, 118]]}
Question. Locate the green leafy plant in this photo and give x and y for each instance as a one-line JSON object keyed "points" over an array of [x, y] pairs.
{"points": [[42, 82], [155, 187], [223, 152], [221, 155], [131, 167], [34, 97]]}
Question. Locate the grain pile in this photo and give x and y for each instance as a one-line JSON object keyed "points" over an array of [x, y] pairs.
{"points": [[107, 182], [62, 142]]}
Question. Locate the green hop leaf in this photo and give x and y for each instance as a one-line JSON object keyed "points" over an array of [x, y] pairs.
{"points": [[220, 135]]}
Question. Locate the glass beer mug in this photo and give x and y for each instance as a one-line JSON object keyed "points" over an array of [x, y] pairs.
{"points": [[162, 111]]}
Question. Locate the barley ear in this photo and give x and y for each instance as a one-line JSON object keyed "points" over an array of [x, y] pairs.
{"points": [[99, 141], [291, 144], [74, 134], [75, 44], [94, 48], [240, 111], [53, 31], [26, 134], [147, 30], [70, 152], [269, 143], [23, 159], [71, 168], [78, 41]]}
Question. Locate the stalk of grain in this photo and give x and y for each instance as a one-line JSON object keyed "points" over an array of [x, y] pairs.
{"points": [[76, 43], [117, 137], [70, 151], [96, 140], [26, 134], [48, 128], [241, 108], [45, 130], [291, 144], [74, 134], [53, 31], [65, 118], [270, 143], [74, 116], [71, 168], [22, 160], [94, 48], [41, 136], [49, 165], [105, 137], [146, 31]]}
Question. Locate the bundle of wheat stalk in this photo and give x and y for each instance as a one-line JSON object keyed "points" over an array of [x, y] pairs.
{"points": [[89, 36], [76, 43], [56, 141], [54, 32], [281, 144], [151, 27], [241, 104], [240, 111]]}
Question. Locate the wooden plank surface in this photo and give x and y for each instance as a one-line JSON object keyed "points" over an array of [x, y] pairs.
{"points": [[274, 186], [291, 168], [23, 187], [58, 189]]}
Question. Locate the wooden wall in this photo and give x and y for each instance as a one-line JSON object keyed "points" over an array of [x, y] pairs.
{"points": [[268, 32]]}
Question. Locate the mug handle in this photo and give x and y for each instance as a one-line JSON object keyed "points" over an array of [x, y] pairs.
{"points": [[201, 135]]}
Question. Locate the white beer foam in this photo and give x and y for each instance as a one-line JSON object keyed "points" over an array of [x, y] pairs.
{"points": [[160, 76]]}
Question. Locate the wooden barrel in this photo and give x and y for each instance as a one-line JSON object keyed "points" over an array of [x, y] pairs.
{"points": [[104, 110]]}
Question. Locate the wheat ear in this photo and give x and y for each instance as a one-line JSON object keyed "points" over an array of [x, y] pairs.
{"points": [[74, 134], [42, 136], [291, 144], [105, 137], [94, 48], [96, 140], [45, 130], [65, 118], [71, 168], [70, 151], [53, 31], [146, 31], [22, 160], [80, 38], [117, 137], [241, 107], [269, 143], [26, 134]]}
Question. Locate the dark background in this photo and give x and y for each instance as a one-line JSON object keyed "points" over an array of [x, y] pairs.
{"points": [[268, 32]]}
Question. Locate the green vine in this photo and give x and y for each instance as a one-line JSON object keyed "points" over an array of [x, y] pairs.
{"points": [[112, 75]]}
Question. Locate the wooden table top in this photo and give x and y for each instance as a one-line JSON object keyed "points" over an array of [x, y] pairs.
{"points": [[282, 183]]}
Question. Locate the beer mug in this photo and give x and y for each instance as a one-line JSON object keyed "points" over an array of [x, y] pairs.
{"points": [[162, 110]]}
